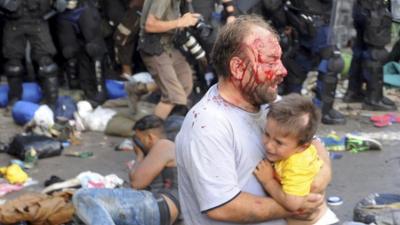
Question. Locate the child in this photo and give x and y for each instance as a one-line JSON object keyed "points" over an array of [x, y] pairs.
{"points": [[292, 161]]}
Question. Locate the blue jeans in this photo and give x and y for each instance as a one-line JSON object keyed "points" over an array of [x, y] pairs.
{"points": [[116, 207]]}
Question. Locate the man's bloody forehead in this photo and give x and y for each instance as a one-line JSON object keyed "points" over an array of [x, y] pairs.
{"points": [[266, 54]]}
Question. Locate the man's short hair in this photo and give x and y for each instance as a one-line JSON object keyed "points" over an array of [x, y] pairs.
{"points": [[296, 116], [231, 38], [149, 122]]}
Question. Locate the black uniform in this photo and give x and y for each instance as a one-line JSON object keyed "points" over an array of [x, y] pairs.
{"points": [[24, 24], [82, 42], [372, 21], [304, 27]]}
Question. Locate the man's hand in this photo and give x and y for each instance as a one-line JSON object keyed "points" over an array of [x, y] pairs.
{"points": [[230, 19], [264, 171], [188, 20], [310, 210], [139, 154]]}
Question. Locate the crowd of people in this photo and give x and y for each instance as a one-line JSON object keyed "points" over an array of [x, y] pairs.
{"points": [[241, 140]]}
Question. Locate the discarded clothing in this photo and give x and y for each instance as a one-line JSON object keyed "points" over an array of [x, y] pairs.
{"points": [[38, 209], [6, 188], [333, 142], [90, 179]]}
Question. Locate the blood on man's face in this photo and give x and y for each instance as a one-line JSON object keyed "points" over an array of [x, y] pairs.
{"points": [[262, 67]]}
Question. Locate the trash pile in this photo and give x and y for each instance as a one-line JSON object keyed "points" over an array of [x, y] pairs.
{"points": [[48, 132]]}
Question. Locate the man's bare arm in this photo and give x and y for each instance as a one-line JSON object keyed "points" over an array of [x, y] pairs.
{"points": [[155, 25], [248, 208]]}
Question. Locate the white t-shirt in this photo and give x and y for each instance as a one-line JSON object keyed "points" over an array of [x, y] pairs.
{"points": [[218, 148]]}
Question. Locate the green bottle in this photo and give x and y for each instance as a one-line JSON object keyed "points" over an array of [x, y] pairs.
{"points": [[31, 158]]}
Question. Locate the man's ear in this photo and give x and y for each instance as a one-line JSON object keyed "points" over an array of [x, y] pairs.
{"points": [[237, 68], [152, 137]]}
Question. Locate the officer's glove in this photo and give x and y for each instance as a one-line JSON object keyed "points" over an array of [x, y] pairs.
{"points": [[10, 5], [60, 5]]}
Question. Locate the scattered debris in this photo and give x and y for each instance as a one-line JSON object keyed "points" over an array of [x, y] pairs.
{"points": [[82, 155]]}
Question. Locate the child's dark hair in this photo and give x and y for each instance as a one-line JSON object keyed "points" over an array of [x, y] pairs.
{"points": [[296, 115], [149, 122]]}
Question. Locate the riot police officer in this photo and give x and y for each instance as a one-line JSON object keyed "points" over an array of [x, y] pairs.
{"points": [[372, 21], [304, 26], [24, 22], [82, 43]]}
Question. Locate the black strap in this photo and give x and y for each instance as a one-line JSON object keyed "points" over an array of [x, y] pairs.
{"points": [[165, 214]]}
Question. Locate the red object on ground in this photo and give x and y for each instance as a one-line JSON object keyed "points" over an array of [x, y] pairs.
{"points": [[385, 120]]}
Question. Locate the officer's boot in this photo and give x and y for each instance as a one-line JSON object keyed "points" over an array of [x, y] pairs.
{"points": [[354, 90], [14, 93], [50, 89], [71, 70], [48, 75], [375, 101], [329, 114]]}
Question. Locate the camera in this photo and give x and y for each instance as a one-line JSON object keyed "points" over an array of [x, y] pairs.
{"points": [[189, 43], [202, 28]]}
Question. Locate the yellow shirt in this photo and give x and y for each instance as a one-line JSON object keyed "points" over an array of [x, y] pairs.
{"points": [[297, 172]]}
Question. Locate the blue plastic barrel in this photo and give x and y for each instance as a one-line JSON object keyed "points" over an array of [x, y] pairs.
{"points": [[4, 95], [31, 92], [23, 112], [115, 89]]}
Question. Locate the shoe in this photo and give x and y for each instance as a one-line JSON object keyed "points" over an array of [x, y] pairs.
{"points": [[356, 143], [387, 101], [353, 97], [333, 117], [380, 105]]}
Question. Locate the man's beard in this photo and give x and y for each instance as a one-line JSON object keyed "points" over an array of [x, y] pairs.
{"points": [[262, 94]]}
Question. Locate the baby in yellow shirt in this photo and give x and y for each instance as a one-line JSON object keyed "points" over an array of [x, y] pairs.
{"points": [[292, 161]]}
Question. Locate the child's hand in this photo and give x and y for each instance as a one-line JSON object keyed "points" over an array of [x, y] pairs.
{"points": [[264, 171]]}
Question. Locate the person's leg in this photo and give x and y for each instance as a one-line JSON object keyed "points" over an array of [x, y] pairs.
{"points": [[329, 67], [172, 91], [14, 43], [43, 51], [354, 90], [183, 71], [373, 73], [116, 207]]}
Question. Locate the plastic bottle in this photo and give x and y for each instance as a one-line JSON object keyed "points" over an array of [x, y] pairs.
{"points": [[31, 158]]}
